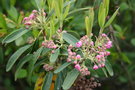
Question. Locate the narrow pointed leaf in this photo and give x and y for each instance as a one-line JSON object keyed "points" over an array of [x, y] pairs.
{"points": [[59, 69], [54, 56], [14, 35], [70, 78], [112, 18], [109, 68], [15, 56]]}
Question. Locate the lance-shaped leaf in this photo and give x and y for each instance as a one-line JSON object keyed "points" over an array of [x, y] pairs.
{"points": [[15, 56], [109, 68], [112, 18], [59, 69], [66, 11], [58, 82], [89, 22], [101, 15], [70, 78], [14, 35], [106, 5], [47, 81], [21, 63], [70, 38], [54, 56]]}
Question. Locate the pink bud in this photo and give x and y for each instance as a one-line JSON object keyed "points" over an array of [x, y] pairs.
{"points": [[98, 57], [44, 14], [68, 60], [43, 43], [107, 53], [32, 16], [102, 65], [78, 57], [95, 67], [59, 31], [26, 19], [54, 46], [78, 67], [34, 11], [75, 62], [104, 35], [91, 43], [79, 44], [28, 23]]}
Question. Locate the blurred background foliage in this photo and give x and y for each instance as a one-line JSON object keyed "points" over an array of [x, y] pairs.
{"points": [[122, 32]]}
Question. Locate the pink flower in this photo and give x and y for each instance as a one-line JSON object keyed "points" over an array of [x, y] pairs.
{"points": [[32, 16], [79, 44], [75, 62], [102, 65], [91, 43], [26, 19], [95, 67], [43, 43], [78, 67], [78, 56], [68, 60], [107, 53], [104, 35], [34, 11], [109, 44], [98, 57], [28, 23]]}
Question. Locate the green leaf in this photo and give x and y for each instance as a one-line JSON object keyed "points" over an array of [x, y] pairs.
{"points": [[103, 69], [70, 78], [14, 35], [58, 82], [112, 18], [125, 58], [15, 56], [109, 68], [13, 13], [21, 63], [22, 73], [101, 16], [59, 69], [106, 5], [133, 41], [2, 21], [34, 60], [54, 56], [66, 11], [47, 81], [70, 39], [1, 55]]}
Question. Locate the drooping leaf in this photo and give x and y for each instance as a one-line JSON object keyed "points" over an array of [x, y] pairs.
{"points": [[112, 18], [21, 63], [15, 56], [14, 35], [70, 38], [54, 56], [59, 69], [70, 78], [106, 5], [47, 81], [109, 68]]}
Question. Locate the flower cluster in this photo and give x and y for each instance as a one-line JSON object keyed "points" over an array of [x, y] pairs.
{"points": [[47, 67], [34, 19], [94, 51], [76, 59], [49, 44]]}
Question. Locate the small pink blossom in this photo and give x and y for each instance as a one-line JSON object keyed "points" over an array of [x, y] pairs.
{"points": [[104, 35], [98, 57], [28, 23], [78, 67], [95, 67], [78, 57], [68, 60], [75, 62], [79, 44], [102, 65], [32, 16], [34, 11], [91, 43]]}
